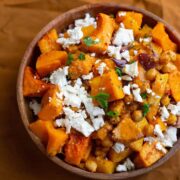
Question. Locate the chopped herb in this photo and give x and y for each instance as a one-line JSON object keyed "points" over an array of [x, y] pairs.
{"points": [[70, 59], [118, 71], [89, 41], [81, 56], [145, 109], [144, 95], [112, 113], [102, 99]]}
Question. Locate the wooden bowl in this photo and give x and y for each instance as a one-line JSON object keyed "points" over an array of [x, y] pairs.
{"points": [[61, 23]]}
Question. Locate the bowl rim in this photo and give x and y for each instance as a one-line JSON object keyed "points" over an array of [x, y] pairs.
{"points": [[22, 109]]}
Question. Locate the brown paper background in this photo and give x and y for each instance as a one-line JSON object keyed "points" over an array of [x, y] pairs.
{"points": [[20, 21]]}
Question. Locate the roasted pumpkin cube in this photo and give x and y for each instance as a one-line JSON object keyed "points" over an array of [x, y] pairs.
{"points": [[40, 129], [32, 85], [160, 36], [148, 155], [159, 85], [105, 166], [107, 83], [88, 30], [142, 124], [48, 42], [174, 82], [118, 157], [177, 62], [136, 145], [127, 131], [76, 148], [81, 67], [51, 105], [50, 61], [56, 140], [103, 33], [145, 31], [156, 48]]}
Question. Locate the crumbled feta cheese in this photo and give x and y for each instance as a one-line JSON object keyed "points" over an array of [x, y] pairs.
{"points": [[118, 147], [123, 37], [97, 61], [126, 89], [98, 122], [122, 25], [72, 100], [93, 54], [129, 164], [175, 109], [125, 55], [126, 78], [145, 40], [101, 67], [160, 147], [164, 113], [122, 13], [134, 86], [137, 95], [121, 168], [114, 51], [158, 131], [119, 78], [98, 111], [135, 52], [88, 76], [35, 106], [149, 139], [131, 69]]}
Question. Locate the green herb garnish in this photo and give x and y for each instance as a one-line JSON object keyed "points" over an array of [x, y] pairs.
{"points": [[112, 113], [144, 95], [81, 56], [118, 71], [70, 59], [145, 109], [89, 41], [102, 99]]}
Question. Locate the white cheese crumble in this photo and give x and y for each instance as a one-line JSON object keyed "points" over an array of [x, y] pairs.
{"points": [[128, 165], [135, 52], [88, 76], [175, 109], [101, 67], [131, 69], [137, 95], [149, 91], [121, 168], [126, 78], [149, 139], [35, 106], [126, 89], [98, 122], [158, 131], [114, 51], [123, 37], [164, 113], [160, 147], [97, 61], [122, 13], [118, 147], [125, 55], [93, 54]]}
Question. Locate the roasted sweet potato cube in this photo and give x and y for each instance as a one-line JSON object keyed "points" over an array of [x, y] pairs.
{"points": [[76, 148], [81, 67], [156, 48], [51, 105], [103, 33], [56, 140], [40, 129], [148, 155], [105, 166], [159, 84], [88, 30], [136, 145], [142, 124], [177, 62], [145, 31], [160, 36], [174, 82], [50, 61], [32, 85], [107, 83], [127, 131], [48, 42], [118, 157]]}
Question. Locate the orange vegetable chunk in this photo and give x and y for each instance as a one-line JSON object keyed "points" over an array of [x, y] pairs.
{"points": [[48, 42], [32, 85], [107, 83], [160, 36], [50, 61], [51, 105], [177, 62], [76, 148]]}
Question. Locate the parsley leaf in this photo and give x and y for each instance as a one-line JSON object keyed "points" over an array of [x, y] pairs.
{"points": [[112, 113], [144, 95], [102, 99], [89, 41], [81, 56], [145, 109], [118, 71], [70, 59]]}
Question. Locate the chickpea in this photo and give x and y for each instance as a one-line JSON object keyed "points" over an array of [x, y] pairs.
{"points": [[91, 165], [171, 119], [128, 99], [149, 130], [137, 115], [133, 106], [101, 151], [165, 100], [167, 56], [114, 120], [169, 67], [151, 74]]}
